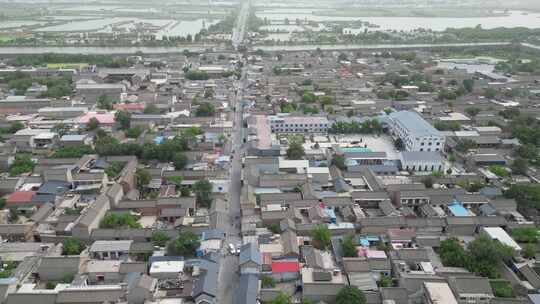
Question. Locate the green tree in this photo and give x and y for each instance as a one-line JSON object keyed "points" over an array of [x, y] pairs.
{"points": [[123, 118], [151, 109], [203, 193], [16, 126], [499, 170], [490, 93], [453, 254], [502, 289], [326, 101], [176, 180], [385, 281], [104, 102], [486, 255], [93, 124], [472, 111], [282, 298], [525, 235], [468, 84], [268, 282], [321, 237], [114, 169], [205, 109], [350, 295], [528, 151], [529, 251], [447, 126], [13, 215], [50, 285], [196, 75], [295, 150], [143, 178], [134, 132], [22, 164], [185, 192], [348, 247], [309, 97], [274, 228], [72, 246], [61, 129], [180, 161], [465, 145], [159, 238], [184, 245], [339, 161], [520, 166], [120, 221]]}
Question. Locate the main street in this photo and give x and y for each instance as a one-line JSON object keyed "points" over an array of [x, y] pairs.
{"points": [[239, 30], [228, 281]]}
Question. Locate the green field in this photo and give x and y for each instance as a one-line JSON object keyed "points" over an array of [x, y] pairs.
{"points": [[6, 37]]}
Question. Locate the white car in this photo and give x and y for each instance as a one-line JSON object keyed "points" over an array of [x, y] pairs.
{"points": [[231, 248]]}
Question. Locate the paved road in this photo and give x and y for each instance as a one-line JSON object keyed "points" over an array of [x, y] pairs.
{"points": [[228, 274], [239, 30], [337, 47]]}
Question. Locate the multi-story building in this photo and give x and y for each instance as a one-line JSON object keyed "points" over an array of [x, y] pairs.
{"points": [[416, 133], [298, 124]]}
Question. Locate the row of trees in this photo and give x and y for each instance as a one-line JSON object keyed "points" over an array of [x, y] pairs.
{"points": [[370, 126], [41, 60]]}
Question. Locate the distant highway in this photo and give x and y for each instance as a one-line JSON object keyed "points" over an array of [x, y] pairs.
{"points": [[239, 31], [238, 38], [336, 47]]}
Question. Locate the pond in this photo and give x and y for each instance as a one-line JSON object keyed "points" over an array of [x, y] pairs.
{"points": [[512, 19]]}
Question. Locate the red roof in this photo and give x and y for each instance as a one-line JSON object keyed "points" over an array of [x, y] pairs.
{"points": [[18, 197], [285, 266]]}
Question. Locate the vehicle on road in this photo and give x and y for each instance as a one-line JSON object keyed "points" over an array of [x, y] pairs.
{"points": [[232, 249]]}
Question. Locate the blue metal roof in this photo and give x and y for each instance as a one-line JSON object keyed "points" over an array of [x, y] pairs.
{"points": [[415, 123], [457, 209]]}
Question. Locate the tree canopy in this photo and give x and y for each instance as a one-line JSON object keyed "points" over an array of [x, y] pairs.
{"points": [[22, 164], [180, 160], [159, 238], [321, 237], [119, 221], [483, 256], [350, 295], [184, 245], [72, 246], [348, 247], [203, 192], [295, 150]]}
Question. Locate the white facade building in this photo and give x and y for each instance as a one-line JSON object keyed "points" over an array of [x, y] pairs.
{"points": [[298, 124], [416, 133]]}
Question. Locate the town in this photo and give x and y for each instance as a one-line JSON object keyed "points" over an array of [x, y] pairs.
{"points": [[243, 174]]}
